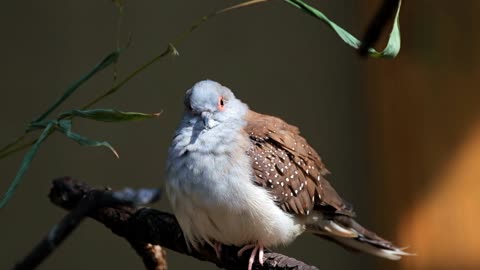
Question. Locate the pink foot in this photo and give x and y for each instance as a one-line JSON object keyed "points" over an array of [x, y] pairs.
{"points": [[256, 248], [260, 254], [244, 248], [218, 249]]}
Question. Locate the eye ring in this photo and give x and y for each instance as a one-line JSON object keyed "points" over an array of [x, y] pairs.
{"points": [[221, 103]]}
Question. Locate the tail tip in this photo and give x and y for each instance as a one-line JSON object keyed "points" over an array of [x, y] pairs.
{"points": [[394, 254]]}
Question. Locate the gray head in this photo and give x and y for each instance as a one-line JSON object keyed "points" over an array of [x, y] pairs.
{"points": [[213, 104]]}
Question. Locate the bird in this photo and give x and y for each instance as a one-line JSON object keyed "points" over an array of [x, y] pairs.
{"points": [[238, 177]]}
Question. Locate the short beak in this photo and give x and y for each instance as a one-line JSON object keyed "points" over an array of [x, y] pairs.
{"points": [[206, 118]]}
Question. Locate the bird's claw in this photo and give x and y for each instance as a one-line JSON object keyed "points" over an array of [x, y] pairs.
{"points": [[258, 247], [260, 254], [218, 249], [244, 248]]}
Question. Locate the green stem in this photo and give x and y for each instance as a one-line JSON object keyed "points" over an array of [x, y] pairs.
{"points": [[16, 149], [170, 49], [13, 143], [128, 78], [6, 150]]}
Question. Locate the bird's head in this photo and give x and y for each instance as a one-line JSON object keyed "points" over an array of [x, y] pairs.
{"points": [[213, 104]]}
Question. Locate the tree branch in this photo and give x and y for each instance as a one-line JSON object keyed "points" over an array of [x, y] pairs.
{"points": [[147, 229], [82, 202]]}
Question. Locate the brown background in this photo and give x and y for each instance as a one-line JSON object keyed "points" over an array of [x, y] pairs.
{"points": [[402, 137]]}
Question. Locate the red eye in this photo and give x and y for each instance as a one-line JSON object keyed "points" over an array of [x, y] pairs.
{"points": [[221, 103]]}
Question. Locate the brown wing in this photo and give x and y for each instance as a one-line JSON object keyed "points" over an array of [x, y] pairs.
{"points": [[286, 165]]}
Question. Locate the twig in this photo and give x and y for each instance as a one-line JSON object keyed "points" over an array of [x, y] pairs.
{"points": [[86, 202], [376, 26], [6, 150], [146, 228]]}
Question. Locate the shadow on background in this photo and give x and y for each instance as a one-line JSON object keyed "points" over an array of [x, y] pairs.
{"points": [[424, 136], [400, 136]]}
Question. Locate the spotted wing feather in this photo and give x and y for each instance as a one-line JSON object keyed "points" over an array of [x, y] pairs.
{"points": [[285, 164]]}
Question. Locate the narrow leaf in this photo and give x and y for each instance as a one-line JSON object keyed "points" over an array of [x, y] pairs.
{"points": [[107, 61], [13, 143], [109, 115], [390, 51], [65, 126], [26, 164]]}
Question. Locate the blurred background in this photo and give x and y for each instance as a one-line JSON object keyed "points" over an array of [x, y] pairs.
{"points": [[401, 137]]}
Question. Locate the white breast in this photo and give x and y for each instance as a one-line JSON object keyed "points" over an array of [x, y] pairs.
{"points": [[213, 195]]}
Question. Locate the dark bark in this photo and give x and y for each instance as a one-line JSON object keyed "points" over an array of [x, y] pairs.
{"points": [[147, 230], [84, 201]]}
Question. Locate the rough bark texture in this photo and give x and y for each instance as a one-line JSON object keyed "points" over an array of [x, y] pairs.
{"points": [[83, 201], [148, 230]]}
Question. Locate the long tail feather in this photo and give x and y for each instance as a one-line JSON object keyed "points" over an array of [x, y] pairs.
{"points": [[345, 231]]}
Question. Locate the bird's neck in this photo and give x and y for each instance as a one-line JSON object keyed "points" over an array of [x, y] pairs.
{"points": [[223, 139]]}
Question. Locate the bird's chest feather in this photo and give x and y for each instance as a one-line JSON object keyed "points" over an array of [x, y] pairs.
{"points": [[213, 195], [208, 167]]}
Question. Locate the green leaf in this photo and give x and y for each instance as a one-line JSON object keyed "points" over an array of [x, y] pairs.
{"points": [[26, 164], [390, 51], [109, 115], [65, 126], [107, 61]]}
